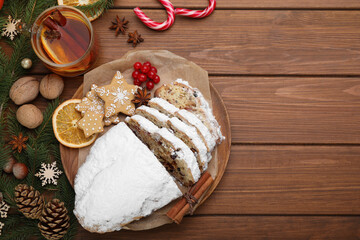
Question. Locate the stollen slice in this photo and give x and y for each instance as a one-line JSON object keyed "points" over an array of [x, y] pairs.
{"points": [[173, 153]]}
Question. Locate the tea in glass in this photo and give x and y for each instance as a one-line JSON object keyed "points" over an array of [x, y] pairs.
{"points": [[63, 38]]}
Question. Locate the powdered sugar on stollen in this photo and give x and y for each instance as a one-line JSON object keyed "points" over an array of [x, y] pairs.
{"points": [[163, 106], [191, 132], [206, 107], [183, 152], [191, 119], [121, 181], [144, 123], [160, 117]]}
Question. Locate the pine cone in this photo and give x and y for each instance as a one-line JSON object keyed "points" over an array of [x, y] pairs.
{"points": [[29, 201], [54, 220]]}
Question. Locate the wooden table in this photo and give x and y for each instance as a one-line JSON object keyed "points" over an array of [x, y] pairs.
{"points": [[289, 73]]}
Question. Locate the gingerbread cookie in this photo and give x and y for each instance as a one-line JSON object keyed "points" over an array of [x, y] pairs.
{"points": [[111, 120], [91, 123], [91, 103], [117, 96]]}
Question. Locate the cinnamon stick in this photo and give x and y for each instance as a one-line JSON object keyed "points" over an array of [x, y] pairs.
{"points": [[197, 195], [58, 18], [182, 207], [181, 204]]}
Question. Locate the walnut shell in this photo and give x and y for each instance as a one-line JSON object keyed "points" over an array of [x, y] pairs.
{"points": [[29, 116], [51, 86], [24, 90]]}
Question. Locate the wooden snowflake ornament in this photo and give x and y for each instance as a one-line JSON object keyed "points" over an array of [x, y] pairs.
{"points": [[1, 226], [4, 208], [10, 28], [49, 173], [117, 96]]}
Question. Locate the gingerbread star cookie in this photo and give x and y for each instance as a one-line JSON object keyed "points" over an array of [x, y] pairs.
{"points": [[117, 96], [91, 123], [92, 110], [111, 120], [91, 103]]}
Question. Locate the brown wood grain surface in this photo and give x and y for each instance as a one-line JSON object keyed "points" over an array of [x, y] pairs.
{"points": [[246, 227], [275, 179], [248, 41], [251, 4], [289, 76]]}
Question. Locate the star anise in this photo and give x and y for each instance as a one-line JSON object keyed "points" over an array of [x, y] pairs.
{"points": [[119, 25], [135, 38], [18, 142], [52, 34], [142, 97]]}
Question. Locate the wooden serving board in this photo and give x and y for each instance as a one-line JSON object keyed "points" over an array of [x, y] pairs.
{"points": [[71, 164]]}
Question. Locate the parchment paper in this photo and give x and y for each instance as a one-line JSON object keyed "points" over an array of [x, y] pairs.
{"points": [[170, 67]]}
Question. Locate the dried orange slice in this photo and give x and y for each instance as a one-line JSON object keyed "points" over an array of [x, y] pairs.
{"points": [[75, 3], [65, 128]]}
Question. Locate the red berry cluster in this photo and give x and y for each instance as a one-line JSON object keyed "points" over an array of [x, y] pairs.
{"points": [[143, 72]]}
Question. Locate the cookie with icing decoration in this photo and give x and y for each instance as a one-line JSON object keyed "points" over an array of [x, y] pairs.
{"points": [[92, 103], [117, 96], [111, 120], [91, 123]]}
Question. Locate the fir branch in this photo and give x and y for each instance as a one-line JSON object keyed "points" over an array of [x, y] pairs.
{"points": [[96, 7], [42, 146], [12, 125], [44, 133], [7, 187], [23, 229], [5, 154]]}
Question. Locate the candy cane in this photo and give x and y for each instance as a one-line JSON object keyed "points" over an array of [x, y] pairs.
{"points": [[197, 14], [155, 25]]}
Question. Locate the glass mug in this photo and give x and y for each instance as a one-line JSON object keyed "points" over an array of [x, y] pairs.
{"points": [[64, 40]]}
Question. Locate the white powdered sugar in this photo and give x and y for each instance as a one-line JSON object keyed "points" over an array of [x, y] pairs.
{"points": [[191, 132], [206, 107], [209, 114], [181, 81], [121, 181], [146, 124], [193, 120], [162, 118], [165, 107], [183, 152]]}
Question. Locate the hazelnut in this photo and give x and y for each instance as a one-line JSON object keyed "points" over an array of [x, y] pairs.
{"points": [[29, 116], [8, 167], [24, 90], [20, 170], [51, 86]]}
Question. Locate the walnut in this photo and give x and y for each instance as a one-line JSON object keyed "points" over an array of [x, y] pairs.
{"points": [[24, 90], [29, 116], [51, 86]]}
